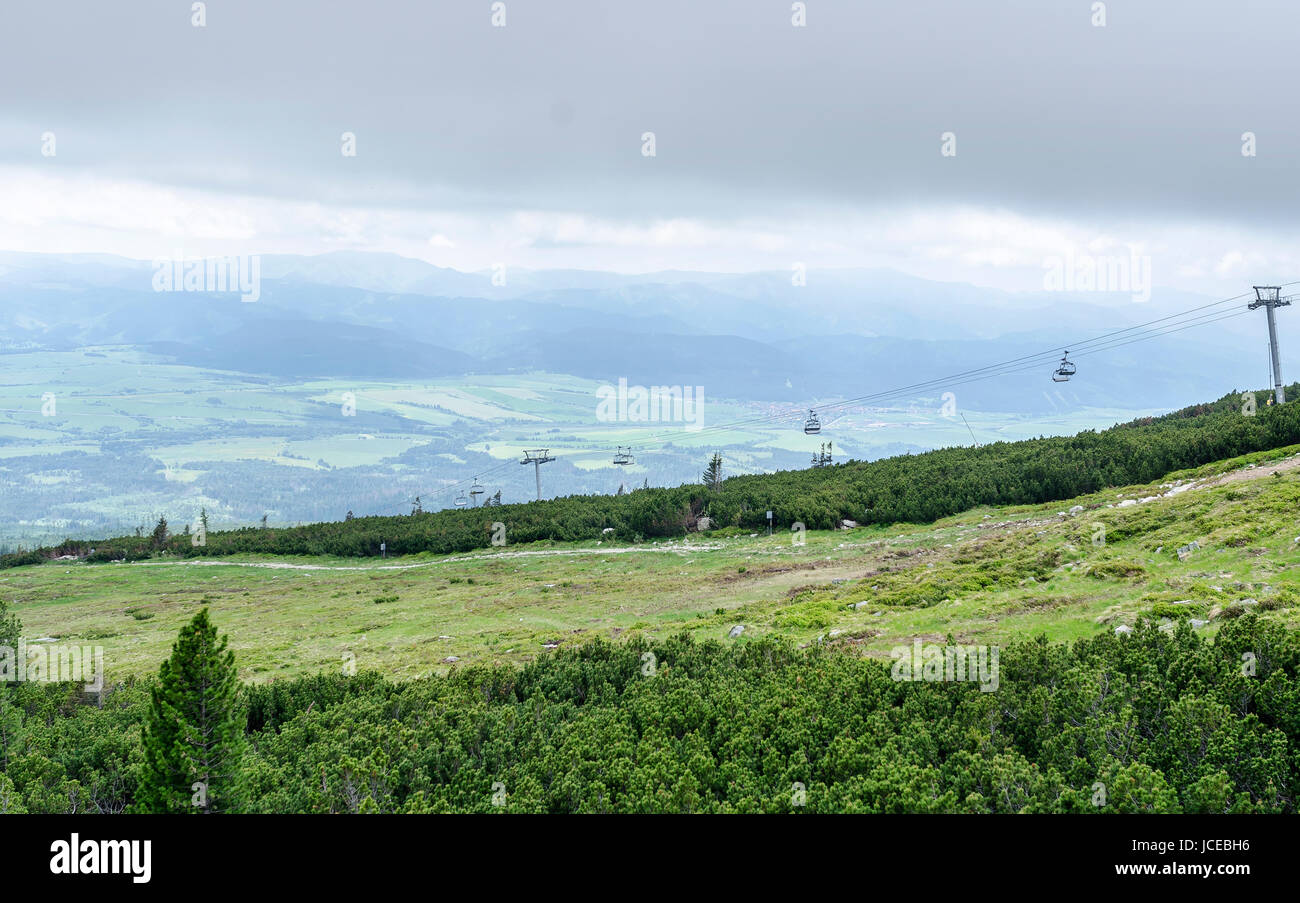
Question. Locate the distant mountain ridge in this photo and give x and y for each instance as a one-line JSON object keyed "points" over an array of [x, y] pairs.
{"points": [[749, 336]]}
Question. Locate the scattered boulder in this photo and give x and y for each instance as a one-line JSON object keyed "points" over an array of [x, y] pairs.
{"points": [[736, 631], [1123, 629], [1127, 503]]}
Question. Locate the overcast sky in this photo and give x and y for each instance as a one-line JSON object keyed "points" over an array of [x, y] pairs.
{"points": [[821, 144]]}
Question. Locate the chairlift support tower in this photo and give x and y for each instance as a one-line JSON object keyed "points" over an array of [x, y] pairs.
{"points": [[537, 457], [1270, 297]]}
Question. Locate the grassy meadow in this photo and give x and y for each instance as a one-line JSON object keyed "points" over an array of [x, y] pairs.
{"points": [[984, 577]]}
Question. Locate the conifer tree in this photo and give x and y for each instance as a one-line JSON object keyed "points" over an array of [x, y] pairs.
{"points": [[712, 477], [194, 731]]}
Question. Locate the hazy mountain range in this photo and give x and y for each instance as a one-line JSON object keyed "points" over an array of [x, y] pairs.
{"points": [[846, 333]]}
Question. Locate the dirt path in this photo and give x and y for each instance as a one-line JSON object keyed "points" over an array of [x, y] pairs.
{"points": [[677, 548], [1252, 473]]}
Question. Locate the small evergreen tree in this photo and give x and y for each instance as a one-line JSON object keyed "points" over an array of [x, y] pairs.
{"points": [[712, 477], [194, 731], [159, 536]]}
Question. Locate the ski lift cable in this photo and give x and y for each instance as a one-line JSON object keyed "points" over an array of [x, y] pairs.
{"points": [[794, 414], [1089, 345], [1105, 342], [1014, 365], [1117, 340]]}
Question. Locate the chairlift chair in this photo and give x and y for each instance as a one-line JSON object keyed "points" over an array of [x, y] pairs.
{"points": [[461, 501], [624, 456], [812, 425], [1064, 371], [475, 491]]}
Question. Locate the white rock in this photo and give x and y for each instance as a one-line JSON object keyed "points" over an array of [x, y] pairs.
{"points": [[736, 631], [1123, 629]]}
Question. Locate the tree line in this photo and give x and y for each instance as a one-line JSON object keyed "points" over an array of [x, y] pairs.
{"points": [[909, 488]]}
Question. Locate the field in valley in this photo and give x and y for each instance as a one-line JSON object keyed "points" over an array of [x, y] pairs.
{"points": [[130, 436]]}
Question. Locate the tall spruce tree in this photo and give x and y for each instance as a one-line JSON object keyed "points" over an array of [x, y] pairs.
{"points": [[194, 731], [712, 477]]}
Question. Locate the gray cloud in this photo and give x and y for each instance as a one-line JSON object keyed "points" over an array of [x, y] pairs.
{"points": [[752, 116]]}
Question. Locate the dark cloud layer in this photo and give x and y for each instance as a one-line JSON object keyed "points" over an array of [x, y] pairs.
{"points": [[752, 116]]}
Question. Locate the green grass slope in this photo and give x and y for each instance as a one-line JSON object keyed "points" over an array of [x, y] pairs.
{"points": [[986, 576]]}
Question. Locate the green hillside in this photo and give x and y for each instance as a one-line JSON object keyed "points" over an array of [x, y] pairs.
{"points": [[987, 575], [1133, 648]]}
